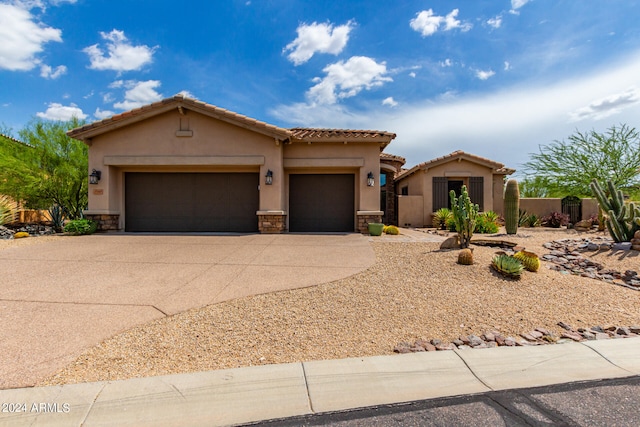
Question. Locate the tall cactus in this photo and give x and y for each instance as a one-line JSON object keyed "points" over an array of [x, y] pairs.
{"points": [[465, 215], [623, 220], [511, 206]]}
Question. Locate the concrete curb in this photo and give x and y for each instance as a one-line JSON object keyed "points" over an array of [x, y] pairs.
{"points": [[244, 395]]}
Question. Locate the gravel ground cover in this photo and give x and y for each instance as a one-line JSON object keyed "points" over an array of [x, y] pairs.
{"points": [[413, 291]]}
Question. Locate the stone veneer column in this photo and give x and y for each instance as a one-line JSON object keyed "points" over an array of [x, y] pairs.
{"points": [[366, 217], [390, 188], [106, 222], [272, 221]]}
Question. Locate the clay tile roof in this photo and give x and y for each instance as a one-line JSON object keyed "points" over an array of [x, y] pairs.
{"points": [[350, 134], [497, 167], [387, 156]]}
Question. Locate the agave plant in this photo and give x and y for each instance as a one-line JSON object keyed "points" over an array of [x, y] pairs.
{"points": [[440, 218], [56, 212], [508, 266]]}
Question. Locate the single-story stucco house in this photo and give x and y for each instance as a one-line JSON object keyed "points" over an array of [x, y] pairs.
{"points": [[425, 188], [183, 165]]}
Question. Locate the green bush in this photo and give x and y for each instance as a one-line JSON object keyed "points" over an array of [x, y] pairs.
{"points": [[80, 226], [486, 224]]}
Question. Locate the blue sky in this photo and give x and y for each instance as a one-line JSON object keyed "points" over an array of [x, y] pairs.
{"points": [[495, 78]]}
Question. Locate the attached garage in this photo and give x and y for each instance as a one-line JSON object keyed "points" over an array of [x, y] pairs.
{"points": [[191, 202], [321, 202]]}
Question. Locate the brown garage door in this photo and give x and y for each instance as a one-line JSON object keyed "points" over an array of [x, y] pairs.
{"points": [[321, 202], [184, 202]]}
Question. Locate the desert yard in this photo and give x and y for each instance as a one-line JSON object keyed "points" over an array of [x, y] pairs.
{"points": [[413, 291]]}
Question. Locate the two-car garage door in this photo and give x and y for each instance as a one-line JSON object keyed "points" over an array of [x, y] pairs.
{"points": [[191, 202]]}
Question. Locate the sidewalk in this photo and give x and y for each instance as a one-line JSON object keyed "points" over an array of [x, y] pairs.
{"points": [[236, 396]]}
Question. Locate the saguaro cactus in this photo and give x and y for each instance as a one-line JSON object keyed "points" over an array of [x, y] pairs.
{"points": [[623, 220], [511, 206], [465, 215]]}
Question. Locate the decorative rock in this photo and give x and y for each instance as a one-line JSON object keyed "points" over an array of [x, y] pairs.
{"points": [[464, 347], [509, 341], [572, 335], [451, 243], [635, 329], [601, 336], [565, 326], [588, 335], [623, 331], [436, 342], [402, 348], [443, 347]]}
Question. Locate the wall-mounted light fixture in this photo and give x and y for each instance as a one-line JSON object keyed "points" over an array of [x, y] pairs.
{"points": [[95, 176], [268, 178], [370, 179]]}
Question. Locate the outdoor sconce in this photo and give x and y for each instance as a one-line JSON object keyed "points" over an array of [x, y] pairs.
{"points": [[94, 177], [268, 178], [370, 180]]}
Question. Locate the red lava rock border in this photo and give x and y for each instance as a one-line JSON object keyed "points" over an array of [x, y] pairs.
{"points": [[538, 336]]}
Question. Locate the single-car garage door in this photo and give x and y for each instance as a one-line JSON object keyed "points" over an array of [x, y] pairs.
{"points": [[185, 202], [321, 202]]}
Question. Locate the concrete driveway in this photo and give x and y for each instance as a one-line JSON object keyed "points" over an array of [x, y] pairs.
{"points": [[60, 297]]}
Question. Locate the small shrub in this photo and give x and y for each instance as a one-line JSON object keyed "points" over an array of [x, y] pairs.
{"points": [[451, 224], [8, 210], [20, 235], [487, 224], [392, 230], [555, 220], [80, 226], [522, 217], [441, 218], [532, 220]]}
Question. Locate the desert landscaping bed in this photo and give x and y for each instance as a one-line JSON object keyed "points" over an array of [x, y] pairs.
{"points": [[414, 291]]}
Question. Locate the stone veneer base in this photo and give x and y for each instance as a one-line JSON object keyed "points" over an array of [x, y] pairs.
{"points": [[272, 223], [365, 219], [106, 222]]}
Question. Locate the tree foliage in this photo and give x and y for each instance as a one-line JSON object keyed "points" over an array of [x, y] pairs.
{"points": [[568, 167], [50, 169]]}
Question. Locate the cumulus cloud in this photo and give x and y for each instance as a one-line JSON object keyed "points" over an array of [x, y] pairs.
{"points": [[321, 38], [446, 63], [607, 106], [428, 23], [48, 72], [22, 38], [412, 74], [139, 94], [347, 79], [390, 102], [495, 22], [507, 65], [61, 112], [102, 114], [187, 94], [517, 4], [121, 55], [484, 75]]}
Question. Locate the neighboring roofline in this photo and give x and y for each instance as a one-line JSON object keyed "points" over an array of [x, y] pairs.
{"points": [[498, 168], [178, 102], [392, 157], [17, 141]]}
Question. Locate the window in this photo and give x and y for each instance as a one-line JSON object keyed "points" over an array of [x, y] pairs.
{"points": [[404, 191]]}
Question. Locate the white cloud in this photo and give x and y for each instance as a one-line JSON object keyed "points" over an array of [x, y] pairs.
{"points": [[347, 79], [187, 94], [517, 4], [446, 63], [139, 94], [607, 106], [322, 38], [22, 38], [427, 23], [484, 75], [121, 55], [507, 66], [61, 112], [48, 72], [412, 74], [102, 114], [495, 22], [390, 102]]}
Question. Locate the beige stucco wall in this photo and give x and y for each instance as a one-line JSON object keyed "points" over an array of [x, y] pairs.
{"points": [[544, 206], [410, 211]]}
